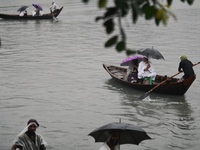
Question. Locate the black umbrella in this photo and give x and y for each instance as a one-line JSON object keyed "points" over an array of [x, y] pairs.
{"points": [[22, 8], [150, 53], [128, 133]]}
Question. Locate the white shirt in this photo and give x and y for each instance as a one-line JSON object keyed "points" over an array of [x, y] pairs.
{"points": [[149, 73], [22, 13], [54, 6], [106, 147]]}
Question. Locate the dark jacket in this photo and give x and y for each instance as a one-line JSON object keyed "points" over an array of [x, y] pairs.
{"points": [[187, 67]]}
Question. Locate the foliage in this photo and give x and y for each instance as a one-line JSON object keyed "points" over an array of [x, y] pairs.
{"points": [[149, 9]]}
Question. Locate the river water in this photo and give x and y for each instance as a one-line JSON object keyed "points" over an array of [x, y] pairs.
{"points": [[52, 71]]}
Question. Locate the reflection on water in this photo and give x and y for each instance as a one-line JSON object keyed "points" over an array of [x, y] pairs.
{"points": [[171, 115]]}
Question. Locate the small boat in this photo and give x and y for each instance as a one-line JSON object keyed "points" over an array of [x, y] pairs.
{"points": [[170, 87], [30, 17]]}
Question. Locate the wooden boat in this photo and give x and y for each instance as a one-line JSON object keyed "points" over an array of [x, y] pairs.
{"points": [[30, 17], [170, 87]]}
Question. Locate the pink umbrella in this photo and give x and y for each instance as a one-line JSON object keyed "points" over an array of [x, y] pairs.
{"points": [[126, 61], [37, 6]]}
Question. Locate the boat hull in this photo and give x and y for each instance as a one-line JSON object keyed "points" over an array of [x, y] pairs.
{"points": [[171, 87]]}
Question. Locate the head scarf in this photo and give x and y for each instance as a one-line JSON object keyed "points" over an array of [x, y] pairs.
{"points": [[183, 57], [33, 121], [29, 123]]}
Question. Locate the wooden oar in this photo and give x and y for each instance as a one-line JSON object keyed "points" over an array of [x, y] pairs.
{"points": [[147, 93]]}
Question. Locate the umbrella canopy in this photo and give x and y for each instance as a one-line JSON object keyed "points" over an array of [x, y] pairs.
{"points": [[37, 6], [150, 53], [22, 8], [128, 133], [127, 61]]}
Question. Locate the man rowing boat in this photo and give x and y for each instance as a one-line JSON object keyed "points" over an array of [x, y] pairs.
{"points": [[186, 66]]}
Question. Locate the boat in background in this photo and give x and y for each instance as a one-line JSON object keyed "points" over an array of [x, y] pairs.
{"points": [[30, 17], [170, 87]]}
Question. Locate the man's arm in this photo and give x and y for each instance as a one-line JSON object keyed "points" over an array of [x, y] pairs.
{"points": [[180, 67]]}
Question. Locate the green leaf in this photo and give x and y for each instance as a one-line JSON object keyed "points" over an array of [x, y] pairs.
{"points": [[111, 11], [190, 2], [157, 21], [150, 13], [109, 25], [120, 3], [130, 52], [159, 14], [98, 18], [145, 8], [120, 46], [165, 17], [111, 41], [123, 6], [169, 2], [124, 9], [102, 3]]}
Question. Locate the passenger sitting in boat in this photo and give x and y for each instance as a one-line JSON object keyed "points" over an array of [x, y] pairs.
{"points": [[37, 12], [146, 69], [186, 66], [132, 71], [23, 13]]}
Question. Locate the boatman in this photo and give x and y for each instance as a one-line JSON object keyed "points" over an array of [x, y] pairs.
{"points": [[54, 7], [185, 66], [28, 139]]}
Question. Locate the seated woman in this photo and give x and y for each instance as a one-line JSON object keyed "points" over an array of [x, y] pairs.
{"points": [[37, 12], [132, 71], [146, 69], [23, 13]]}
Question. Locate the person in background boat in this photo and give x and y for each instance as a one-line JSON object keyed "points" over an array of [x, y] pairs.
{"points": [[112, 143], [54, 7], [132, 71], [28, 139], [146, 69], [37, 12], [185, 66], [23, 13]]}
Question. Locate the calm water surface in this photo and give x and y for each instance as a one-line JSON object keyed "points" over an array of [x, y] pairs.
{"points": [[52, 71]]}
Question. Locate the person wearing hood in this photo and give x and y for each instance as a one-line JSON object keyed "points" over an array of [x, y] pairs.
{"points": [[28, 139], [185, 66]]}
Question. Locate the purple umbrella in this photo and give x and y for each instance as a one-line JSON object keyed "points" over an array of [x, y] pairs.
{"points": [[127, 61], [37, 6]]}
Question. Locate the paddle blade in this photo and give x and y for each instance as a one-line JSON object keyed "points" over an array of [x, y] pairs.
{"points": [[144, 96]]}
